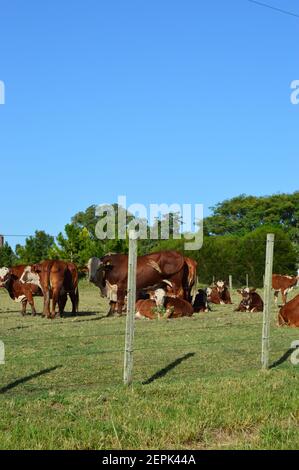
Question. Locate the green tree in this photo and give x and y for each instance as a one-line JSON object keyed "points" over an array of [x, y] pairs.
{"points": [[7, 256], [36, 248], [242, 214]]}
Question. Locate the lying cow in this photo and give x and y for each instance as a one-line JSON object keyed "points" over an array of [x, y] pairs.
{"points": [[17, 290], [283, 284], [251, 301], [175, 307], [57, 279], [201, 303], [110, 274], [219, 294], [289, 313]]}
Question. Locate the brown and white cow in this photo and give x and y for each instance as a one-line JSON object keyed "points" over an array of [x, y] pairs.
{"points": [[57, 280], [110, 274], [251, 301], [219, 294], [283, 284], [289, 313], [17, 290], [174, 307]]}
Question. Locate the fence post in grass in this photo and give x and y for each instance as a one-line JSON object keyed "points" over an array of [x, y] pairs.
{"points": [[247, 281], [230, 282], [267, 301], [131, 301]]}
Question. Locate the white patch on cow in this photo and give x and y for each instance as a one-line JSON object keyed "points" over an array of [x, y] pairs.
{"points": [[20, 298], [220, 284], [159, 297], [246, 290], [286, 291], [29, 277], [3, 272], [208, 291], [111, 291], [138, 316]]}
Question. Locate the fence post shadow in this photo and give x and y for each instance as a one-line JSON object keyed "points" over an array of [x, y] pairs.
{"points": [[162, 372], [27, 378]]}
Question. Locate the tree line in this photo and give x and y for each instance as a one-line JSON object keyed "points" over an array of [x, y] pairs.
{"points": [[234, 239]]}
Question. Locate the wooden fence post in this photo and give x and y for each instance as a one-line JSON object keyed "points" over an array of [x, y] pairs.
{"points": [[230, 282], [131, 301], [267, 301]]}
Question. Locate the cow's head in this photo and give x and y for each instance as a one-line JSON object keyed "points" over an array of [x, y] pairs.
{"points": [[220, 286], [159, 297], [5, 276]]}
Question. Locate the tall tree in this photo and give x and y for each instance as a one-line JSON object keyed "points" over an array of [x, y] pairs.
{"points": [[36, 248], [7, 256]]}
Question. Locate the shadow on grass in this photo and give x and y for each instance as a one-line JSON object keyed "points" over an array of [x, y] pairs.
{"points": [[27, 378], [282, 359], [161, 373]]}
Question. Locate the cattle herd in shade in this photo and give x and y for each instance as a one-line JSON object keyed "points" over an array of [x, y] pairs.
{"points": [[166, 286]]}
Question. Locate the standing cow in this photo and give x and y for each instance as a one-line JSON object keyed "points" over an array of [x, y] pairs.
{"points": [[57, 280], [110, 274], [283, 284], [17, 290]]}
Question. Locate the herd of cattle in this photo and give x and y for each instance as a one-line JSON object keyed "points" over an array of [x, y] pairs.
{"points": [[166, 284]]}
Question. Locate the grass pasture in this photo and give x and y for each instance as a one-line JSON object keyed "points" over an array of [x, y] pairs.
{"points": [[197, 381]]}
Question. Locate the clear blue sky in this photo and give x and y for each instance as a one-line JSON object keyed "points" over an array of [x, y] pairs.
{"points": [[160, 100]]}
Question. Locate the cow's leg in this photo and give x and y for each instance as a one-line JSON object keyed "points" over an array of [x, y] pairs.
{"points": [[46, 310], [24, 305], [55, 301], [61, 304], [74, 299], [120, 300], [112, 309], [284, 294], [31, 301]]}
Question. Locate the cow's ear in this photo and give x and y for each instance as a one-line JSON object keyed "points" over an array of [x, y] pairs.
{"points": [[239, 291]]}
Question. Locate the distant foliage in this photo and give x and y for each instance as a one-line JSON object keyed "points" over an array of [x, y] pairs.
{"points": [[7, 256], [36, 248], [243, 214]]}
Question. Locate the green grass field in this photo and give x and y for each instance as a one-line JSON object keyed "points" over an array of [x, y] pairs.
{"points": [[197, 381]]}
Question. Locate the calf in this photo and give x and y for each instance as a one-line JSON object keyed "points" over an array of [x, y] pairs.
{"points": [[289, 313], [200, 303], [283, 284], [19, 291], [251, 301], [174, 306]]}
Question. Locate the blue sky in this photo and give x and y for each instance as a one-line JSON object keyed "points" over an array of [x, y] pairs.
{"points": [[160, 100]]}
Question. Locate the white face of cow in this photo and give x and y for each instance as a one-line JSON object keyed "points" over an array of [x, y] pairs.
{"points": [[220, 285], [4, 276], [159, 297], [93, 265]]}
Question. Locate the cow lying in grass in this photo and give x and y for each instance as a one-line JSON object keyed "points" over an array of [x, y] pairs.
{"points": [[251, 301], [289, 313], [160, 304], [17, 290], [201, 303], [219, 294]]}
